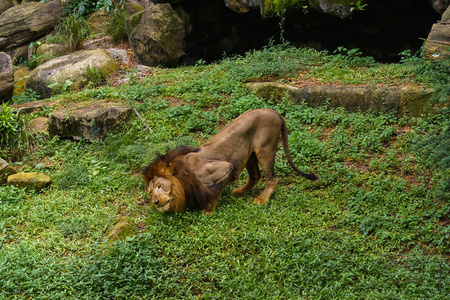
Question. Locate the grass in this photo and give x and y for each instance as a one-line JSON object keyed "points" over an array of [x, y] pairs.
{"points": [[376, 225]]}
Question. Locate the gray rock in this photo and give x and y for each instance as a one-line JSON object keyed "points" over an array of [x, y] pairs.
{"points": [[438, 41], [98, 21], [89, 123], [157, 37], [440, 5], [57, 72], [6, 77], [5, 171]]}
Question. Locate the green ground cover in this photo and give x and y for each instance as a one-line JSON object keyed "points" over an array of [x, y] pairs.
{"points": [[375, 226]]}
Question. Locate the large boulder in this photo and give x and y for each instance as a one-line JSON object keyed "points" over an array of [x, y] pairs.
{"points": [[5, 171], [6, 77], [440, 5], [69, 72], [20, 79], [158, 39], [28, 22], [90, 123]]}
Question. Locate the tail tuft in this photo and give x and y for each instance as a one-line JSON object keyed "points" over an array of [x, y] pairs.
{"points": [[311, 176]]}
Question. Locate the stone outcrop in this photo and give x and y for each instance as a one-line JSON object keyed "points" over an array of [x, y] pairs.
{"points": [[437, 45], [6, 77], [5, 5], [71, 68], [46, 52], [20, 79], [30, 181], [89, 123], [27, 22], [157, 37], [5, 171], [98, 21], [34, 106], [407, 100], [440, 5]]}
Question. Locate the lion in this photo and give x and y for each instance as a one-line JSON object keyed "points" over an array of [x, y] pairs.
{"points": [[194, 178]]}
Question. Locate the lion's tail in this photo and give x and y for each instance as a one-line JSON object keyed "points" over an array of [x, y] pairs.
{"points": [[284, 135]]}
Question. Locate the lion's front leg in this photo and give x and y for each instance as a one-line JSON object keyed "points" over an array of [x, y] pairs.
{"points": [[268, 191], [253, 176], [211, 206]]}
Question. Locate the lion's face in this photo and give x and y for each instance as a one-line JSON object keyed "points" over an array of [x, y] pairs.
{"points": [[160, 192]]}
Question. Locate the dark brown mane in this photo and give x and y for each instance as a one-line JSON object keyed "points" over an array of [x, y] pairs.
{"points": [[170, 166]]}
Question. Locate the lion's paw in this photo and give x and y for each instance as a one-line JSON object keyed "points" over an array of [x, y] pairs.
{"points": [[238, 192], [259, 201]]}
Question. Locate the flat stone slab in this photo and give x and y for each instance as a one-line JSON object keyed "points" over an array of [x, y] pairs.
{"points": [[31, 181], [89, 123], [406, 100]]}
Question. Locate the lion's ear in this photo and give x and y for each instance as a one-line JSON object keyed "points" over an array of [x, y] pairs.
{"points": [[146, 179]]}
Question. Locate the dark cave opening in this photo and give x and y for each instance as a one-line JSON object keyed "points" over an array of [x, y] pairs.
{"points": [[383, 30]]}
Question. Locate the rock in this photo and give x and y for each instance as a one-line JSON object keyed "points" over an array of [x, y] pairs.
{"points": [[98, 21], [89, 123], [19, 54], [6, 77], [35, 106], [46, 52], [120, 231], [20, 79], [38, 125], [31, 181], [133, 8], [5, 5], [407, 100], [68, 71], [438, 42], [440, 5], [27, 22], [337, 8], [5, 171], [159, 37], [243, 6], [446, 14]]}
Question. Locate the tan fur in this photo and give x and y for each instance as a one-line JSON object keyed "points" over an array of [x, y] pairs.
{"points": [[197, 177]]}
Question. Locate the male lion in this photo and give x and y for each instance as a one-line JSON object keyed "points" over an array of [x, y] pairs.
{"points": [[195, 177]]}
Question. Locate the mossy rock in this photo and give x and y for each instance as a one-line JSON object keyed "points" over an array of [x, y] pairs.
{"points": [[30, 181], [5, 171]]}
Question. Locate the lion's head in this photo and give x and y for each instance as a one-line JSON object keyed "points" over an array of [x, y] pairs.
{"points": [[172, 186]]}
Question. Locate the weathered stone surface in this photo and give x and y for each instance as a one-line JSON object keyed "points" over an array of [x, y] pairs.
{"points": [[27, 22], [20, 79], [19, 54], [243, 6], [72, 67], [6, 77], [446, 14], [438, 41], [46, 52], [133, 8], [407, 100], [89, 123], [439, 5], [159, 37], [31, 181], [34, 106], [98, 21], [5, 5], [5, 171], [38, 125]]}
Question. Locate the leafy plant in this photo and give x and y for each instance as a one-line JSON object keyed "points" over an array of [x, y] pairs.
{"points": [[13, 133], [28, 95], [95, 76], [116, 25], [83, 8], [71, 31]]}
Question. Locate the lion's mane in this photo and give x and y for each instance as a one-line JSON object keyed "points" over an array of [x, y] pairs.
{"points": [[188, 191]]}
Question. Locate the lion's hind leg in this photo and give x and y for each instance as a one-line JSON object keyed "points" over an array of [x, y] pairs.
{"points": [[254, 175]]}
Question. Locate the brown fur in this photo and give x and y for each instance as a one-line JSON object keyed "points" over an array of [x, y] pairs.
{"points": [[195, 177]]}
